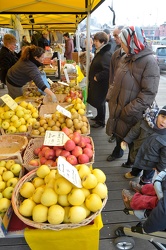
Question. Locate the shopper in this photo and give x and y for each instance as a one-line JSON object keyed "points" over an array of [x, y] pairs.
{"points": [[26, 69], [69, 46], [99, 78], [134, 87], [24, 42], [43, 41], [8, 56]]}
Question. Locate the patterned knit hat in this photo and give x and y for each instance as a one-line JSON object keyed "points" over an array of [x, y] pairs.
{"points": [[133, 37], [162, 111]]}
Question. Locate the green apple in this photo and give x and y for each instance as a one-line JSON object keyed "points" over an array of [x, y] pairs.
{"points": [[7, 192], [2, 163], [2, 185], [12, 182], [26, 207], [9, 163], [56, 214], [4, 204], [49, 197], [16, 168], [27, 189], [7, 175], [39, 213]]}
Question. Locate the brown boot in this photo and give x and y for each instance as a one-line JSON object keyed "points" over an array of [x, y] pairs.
{"points": [[136, 187], [127, 196]]}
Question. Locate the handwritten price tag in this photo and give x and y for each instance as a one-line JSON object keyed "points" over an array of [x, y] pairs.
{"points": [[63, 111], [9, 101], [64, 83], [55, 138], [69, 172]]}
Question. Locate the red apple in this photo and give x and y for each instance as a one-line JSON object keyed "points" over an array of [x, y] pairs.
{"points": [[66, 130], [88, 145], [40, 154], [82, 142], [44, 149], [34, 162], [72, 159], [76, 137], [88, 140], [54, 164], [55, 147], [58, 152], [77, 151], [88, 152], [69, 145], [43, 160], [83, 159], [36, 151], [64, 153], [49, 154], [49, 162]]}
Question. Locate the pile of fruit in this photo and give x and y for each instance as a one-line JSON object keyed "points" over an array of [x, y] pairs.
{"points": [[31, 90], [78, 149], [9, 176], [63, 89], [18, 120], [49, 197]]}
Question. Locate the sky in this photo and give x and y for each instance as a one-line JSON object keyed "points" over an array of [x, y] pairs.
{"points": [[132, 12]]}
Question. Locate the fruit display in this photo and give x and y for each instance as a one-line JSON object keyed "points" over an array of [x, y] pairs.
{"points": [[63, 89], [47, 197], [77, 149], [19, 119], [31, 90], [9, 175]]}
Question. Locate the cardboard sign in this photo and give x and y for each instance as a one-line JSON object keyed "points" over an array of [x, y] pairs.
{"points": [[69, 172], [9, 101], [63, 111], [55, 138]]}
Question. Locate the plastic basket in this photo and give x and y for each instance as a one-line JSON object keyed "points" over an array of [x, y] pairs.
{"points": [[16, 200]]}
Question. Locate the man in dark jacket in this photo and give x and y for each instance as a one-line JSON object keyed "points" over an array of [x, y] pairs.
{"points": [[111, 41], [43, 41]]}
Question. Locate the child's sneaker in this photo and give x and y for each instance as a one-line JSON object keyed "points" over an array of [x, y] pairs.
{"points": [[136, 187], [129, 175], [127, 196], [144, 181]]}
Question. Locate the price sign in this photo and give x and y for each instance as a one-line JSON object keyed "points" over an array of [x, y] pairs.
{"points": [[63, 111], [69, 172], [55, 138], [66, 75], [9, 101], [64, 83]]}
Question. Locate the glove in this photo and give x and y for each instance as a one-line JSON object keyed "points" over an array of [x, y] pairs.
{"points": [[54, 99]]}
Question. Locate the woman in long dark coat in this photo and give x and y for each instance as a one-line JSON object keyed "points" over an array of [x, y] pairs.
{"points": [[99, 78]]}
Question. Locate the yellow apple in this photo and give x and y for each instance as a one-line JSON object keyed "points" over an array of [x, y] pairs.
{"points": [[14, 118], [22, 128], [4, 204], [20, 113], [1, 195], [23, 104], [101, 190], [23, 121], [5, 125], [11, 130], [37, 182], [89, 181], [27, 189], [37, 194], [62, 186], [7, 192], [93, 202], [63, 200], [50, 184], [49, 197], [7, 175], [26, 207], [16, 168], [56, 214], [8, 114], [2, 185], [2, 170], [39, 213], [17, 123], [83, 170], [50, 176], [77, 214], [66, 217], [86, 191], [101, 177], [9, 163], [30, 105], [12, 182], [42, 171], [88, 212], [2, 163], [76, 197]]}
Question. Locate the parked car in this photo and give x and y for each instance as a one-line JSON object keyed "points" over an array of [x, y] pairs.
{"points": [[160, 55]]}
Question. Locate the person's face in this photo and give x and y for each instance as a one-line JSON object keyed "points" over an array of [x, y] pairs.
{"points": [[161, 121], [116, 33], [12, 46], [124, 47], [97, 44], [40, 59]]}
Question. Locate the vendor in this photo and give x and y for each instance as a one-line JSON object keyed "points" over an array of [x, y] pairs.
{"points": [[26, 69]]}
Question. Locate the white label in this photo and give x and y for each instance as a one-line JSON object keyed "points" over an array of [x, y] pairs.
{"points": [[9, 101], [63, 111], [66, 75], [55, 138], [64, 83], [69, 172]]}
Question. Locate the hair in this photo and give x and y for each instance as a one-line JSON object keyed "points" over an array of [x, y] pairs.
{"points": [[101, 37], [107, 31], [66, 34], [31, 52], [9, 39], [23, 37]]}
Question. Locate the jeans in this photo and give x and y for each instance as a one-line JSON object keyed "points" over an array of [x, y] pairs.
{"points": [[147, 175]]}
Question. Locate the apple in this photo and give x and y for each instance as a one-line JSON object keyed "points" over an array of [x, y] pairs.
{"points": [[77, 151], [56, 214], [7, 192], [50, 176], [93, 202], [12, 182], [34, 162], [50, 183], [42, 160], [72, 159], [66, 217], [42, 171], [36, 151], [27, 189], [88, 152], [83, 170], [36, 197], [49, 163], [76, 197], [4, 204], [76, 137], [83, 159], [1, 195], [16, 168], [49, 197], [37, 182], [89, 181], [49, 154], [82, 143], [63, 200], [44, 148], [7, 175], [88, 212], [77, 214], [58, 151], [88, 145], [69, 145], [101, 190], [101, 177], [66, 130], [86, 192], [39, 213], [2, 185], [64, 153], [2, 170], [62, 186], [2, 163]]}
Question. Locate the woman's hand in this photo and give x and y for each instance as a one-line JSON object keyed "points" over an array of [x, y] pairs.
{"points": [[54, 99]]}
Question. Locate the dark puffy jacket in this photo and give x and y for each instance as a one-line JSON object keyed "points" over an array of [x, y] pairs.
{"points": [[134, 89]]}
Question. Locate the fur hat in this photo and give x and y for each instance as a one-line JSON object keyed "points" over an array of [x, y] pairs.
{"points": [[162, 111]]}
